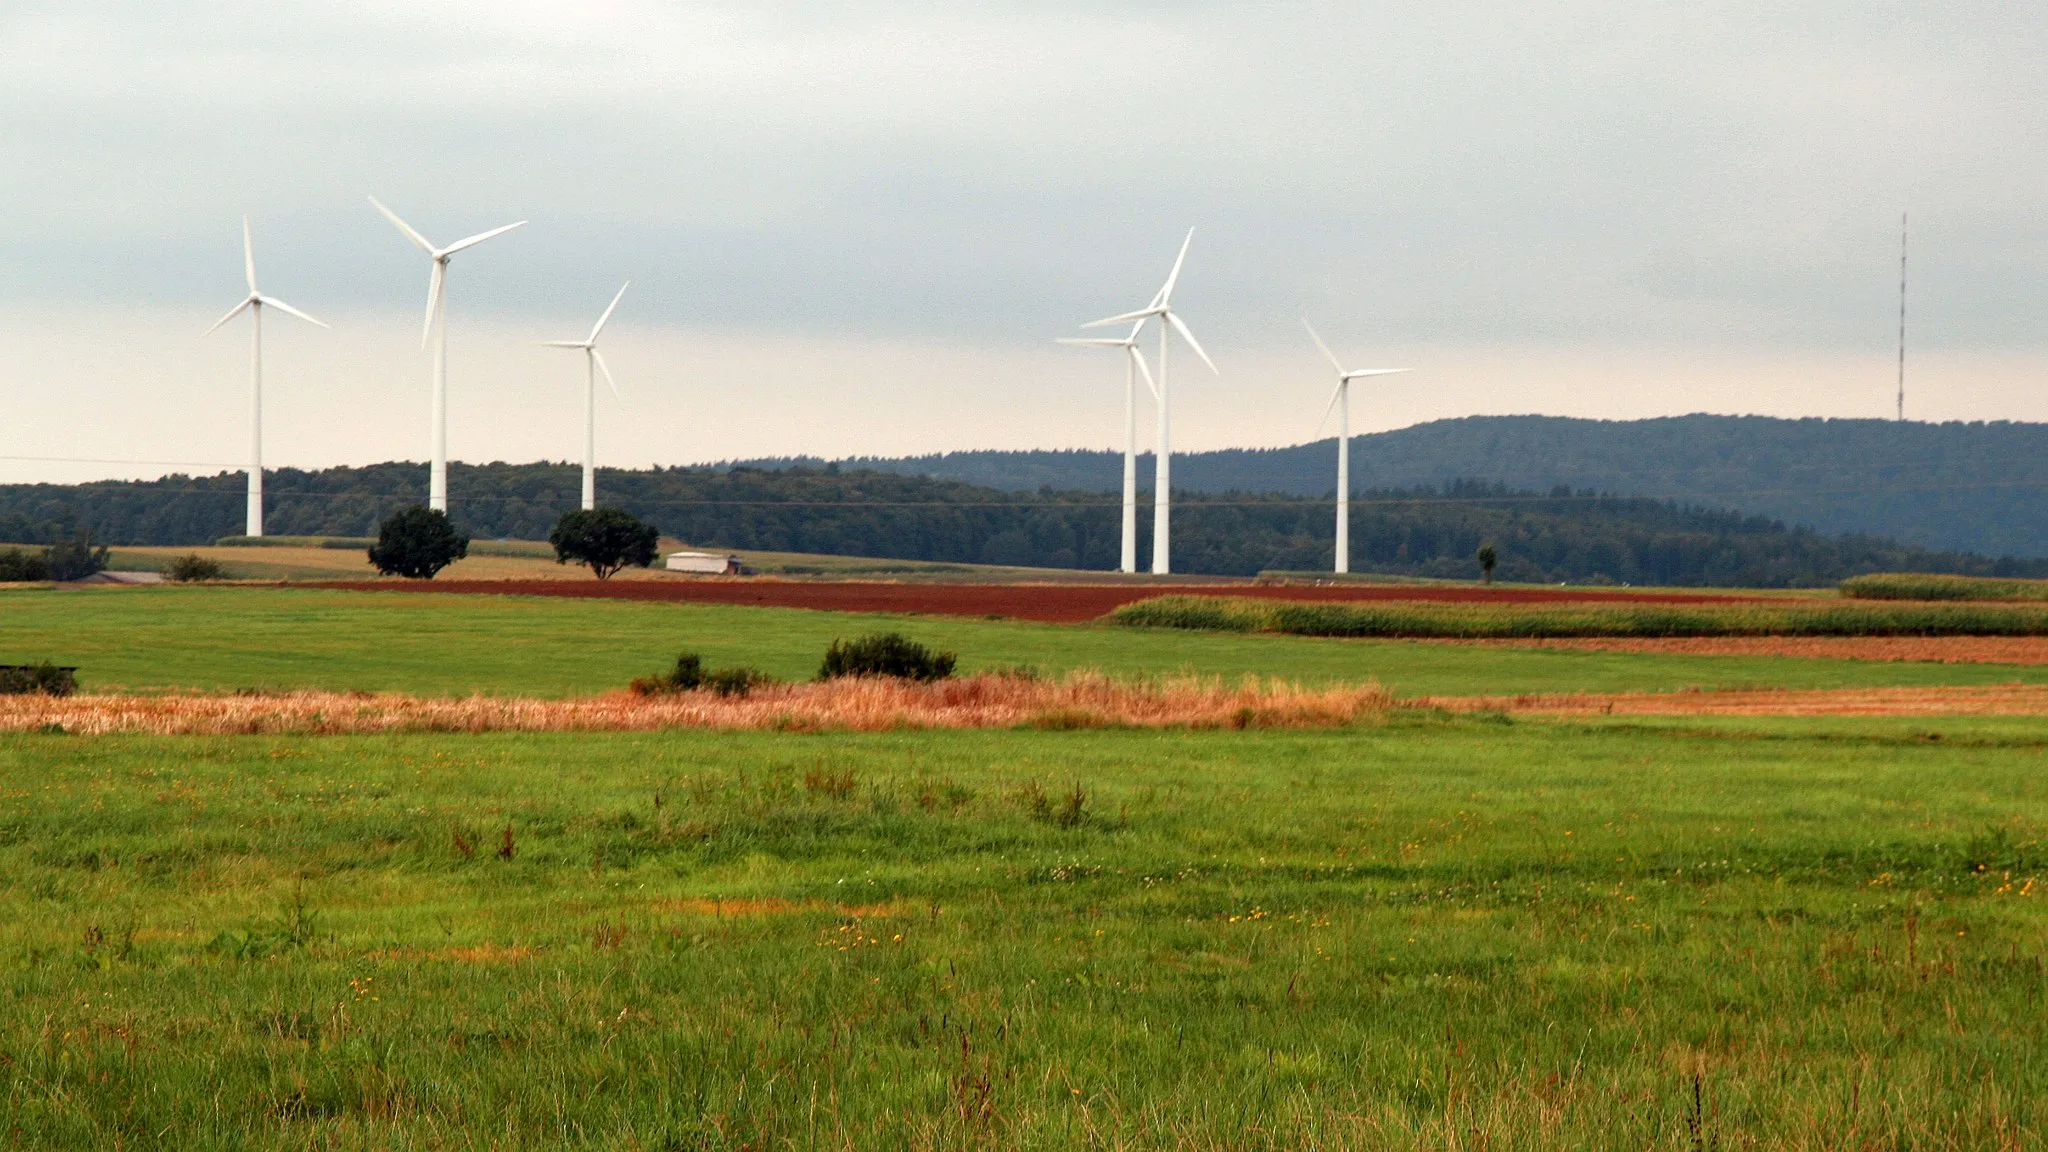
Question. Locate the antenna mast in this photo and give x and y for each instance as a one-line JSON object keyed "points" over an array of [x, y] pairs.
{"points": [[1902, 316]]}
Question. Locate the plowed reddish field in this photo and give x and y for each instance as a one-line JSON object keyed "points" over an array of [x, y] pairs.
{"points": [[1052, 603]]}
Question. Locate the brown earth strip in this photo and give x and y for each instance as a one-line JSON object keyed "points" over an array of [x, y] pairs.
{"points": [[1048, 603], [1988, 700], [1890, 649]]}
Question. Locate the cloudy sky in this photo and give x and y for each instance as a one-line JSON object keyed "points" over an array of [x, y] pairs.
{"points": [[855, 228]]}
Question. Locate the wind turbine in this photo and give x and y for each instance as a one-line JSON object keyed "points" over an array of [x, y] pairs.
{"points": [[1162, 476], [437, 330], [1341, 401], [1134, 363], [593, 363], [253, 304]]}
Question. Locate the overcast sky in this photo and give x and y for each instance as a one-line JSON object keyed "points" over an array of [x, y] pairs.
{"points": [[855, 228]]}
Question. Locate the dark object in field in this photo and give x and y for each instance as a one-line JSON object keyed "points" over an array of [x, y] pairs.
{"points": [[885, 654], [689, 674], [18, 565], [604, 540], [506, 848], [192, 566], [417, 542], [1487, 559], [75, 559], [44, 679]]}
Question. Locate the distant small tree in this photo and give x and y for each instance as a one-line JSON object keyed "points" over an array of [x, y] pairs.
{"points": [[605, 540], [19, 564], [417, 542], [75, 559], [192, 566], [1487, 559]]}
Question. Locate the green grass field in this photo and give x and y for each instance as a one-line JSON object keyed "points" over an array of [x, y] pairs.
{"points": [[229, 638], [1424, 935]]}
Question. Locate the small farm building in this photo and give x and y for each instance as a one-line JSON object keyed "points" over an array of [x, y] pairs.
{"points": [[716, 563]]}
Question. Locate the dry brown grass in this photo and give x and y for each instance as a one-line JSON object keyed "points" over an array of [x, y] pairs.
{"points": [[1078, 700], [1988, 700]]}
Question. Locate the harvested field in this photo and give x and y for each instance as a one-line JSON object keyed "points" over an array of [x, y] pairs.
{"points": [[1887, 649], [1083, 700], [1047, 603], [1994, 700]]}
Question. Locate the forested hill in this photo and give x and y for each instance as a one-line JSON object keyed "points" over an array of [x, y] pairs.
{"points": [[1969, 487], [1560, 535]]}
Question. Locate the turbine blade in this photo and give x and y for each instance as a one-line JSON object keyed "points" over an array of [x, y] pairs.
{"points": [[248, 256], [608, 311], [433, 300], [411, 235], [1364, 372], [1192, 342], [605, 371], [1145, 370], [472, 241], [1100, 342], [1140, 316], [284, 307], [1327, 354], [232, 313], [1331, 406], [1165, 296], [561, 343]]}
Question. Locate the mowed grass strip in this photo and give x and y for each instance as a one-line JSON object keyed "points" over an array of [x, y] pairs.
{"points": [[1437, 620], [1460, 932], [1926, 586], [270, 639]]}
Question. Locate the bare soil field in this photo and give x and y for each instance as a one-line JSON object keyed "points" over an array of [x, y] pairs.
{"points": [[1987, 700], [1048, 603], [1888, 649]]}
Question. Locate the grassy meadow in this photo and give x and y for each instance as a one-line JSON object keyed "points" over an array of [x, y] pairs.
{"points": [[1427, 933], [228, 638]]}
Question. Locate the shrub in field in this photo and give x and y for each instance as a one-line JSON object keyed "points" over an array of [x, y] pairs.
{"points": [[1436, 619], [736, 681], [885, 654], [689, 675], [1488, 557], [416, 543], [192, 566], [604, 540], [75, 559], [20, 565], [1930, 586], [43, 679]]}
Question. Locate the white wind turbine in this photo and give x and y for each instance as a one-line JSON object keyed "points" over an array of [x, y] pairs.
{"points": [[437, 330], [593, 363], [254, 304], [1134, 364], [1162, 476], [1341, 401]]}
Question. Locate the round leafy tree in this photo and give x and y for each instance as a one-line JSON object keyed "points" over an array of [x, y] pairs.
{"points": [[417, 542], [605, 539]]}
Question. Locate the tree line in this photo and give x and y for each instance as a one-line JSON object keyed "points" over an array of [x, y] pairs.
{"points": [[1562, 534]]}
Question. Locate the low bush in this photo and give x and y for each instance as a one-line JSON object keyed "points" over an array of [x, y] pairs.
{"points": [[885, 654], [43, 679], [1929, 586], [736, 681], [192, 566], [1435, 619], [19, 565], [690, 675]]}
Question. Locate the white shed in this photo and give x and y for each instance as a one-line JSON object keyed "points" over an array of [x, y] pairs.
{"points": [[715, 563]]}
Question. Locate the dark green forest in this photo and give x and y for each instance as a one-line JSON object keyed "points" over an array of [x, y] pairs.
{"points": [[1563, 534], [1962, 486]]}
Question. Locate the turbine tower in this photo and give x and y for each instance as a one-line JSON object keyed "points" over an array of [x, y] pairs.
{"points": [[1341, 401], [437, 331], [593, 363], [253, 304], [1162, 475], [1134, 363]]}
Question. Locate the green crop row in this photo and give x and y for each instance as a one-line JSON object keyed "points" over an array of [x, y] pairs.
{"points": [[1928, 586], [1430, 619]]}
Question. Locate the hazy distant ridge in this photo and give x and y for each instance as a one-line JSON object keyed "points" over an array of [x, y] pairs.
{"points": [[1979, 487]]}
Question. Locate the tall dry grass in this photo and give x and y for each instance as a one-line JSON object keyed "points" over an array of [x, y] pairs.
{"points": [[1078, 700]]}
